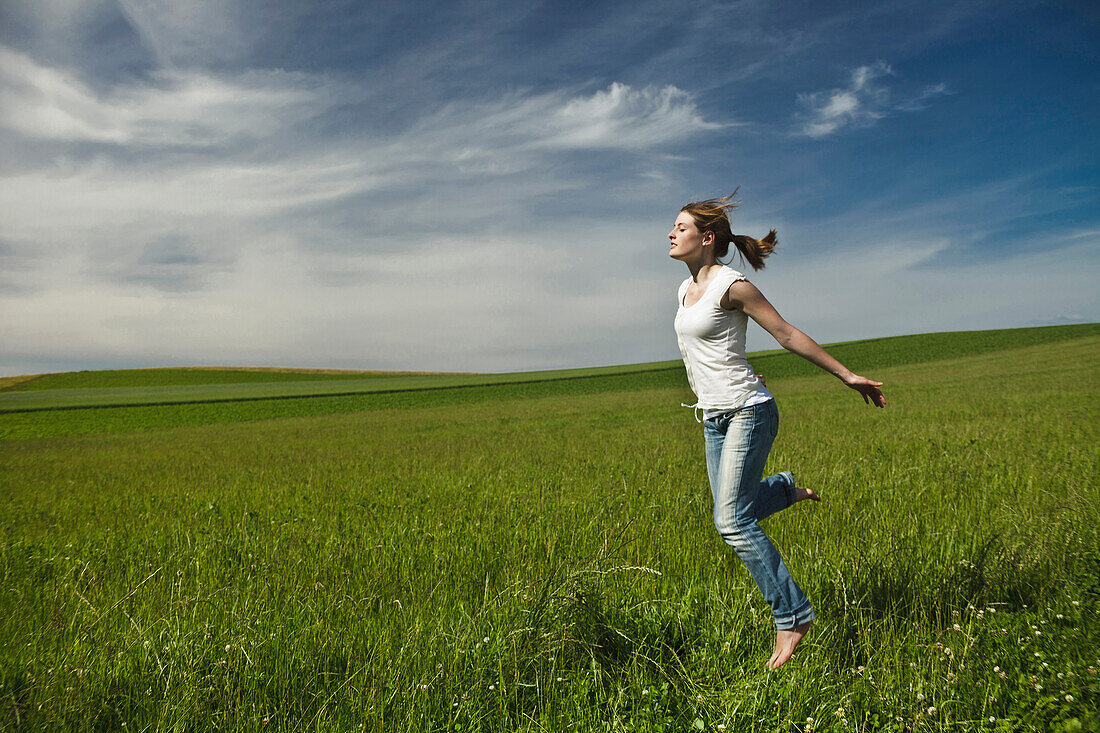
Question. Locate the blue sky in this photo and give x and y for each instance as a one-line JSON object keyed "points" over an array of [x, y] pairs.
{"points": [[489, 185]]}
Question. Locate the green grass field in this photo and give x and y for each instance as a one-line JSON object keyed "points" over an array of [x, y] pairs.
{"points": [[538, 553]]}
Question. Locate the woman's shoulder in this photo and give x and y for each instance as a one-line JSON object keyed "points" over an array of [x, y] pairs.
{"points": [[731, 275]]}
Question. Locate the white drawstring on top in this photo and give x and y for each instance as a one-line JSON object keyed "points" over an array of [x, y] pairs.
{"points": [[695, 410]]}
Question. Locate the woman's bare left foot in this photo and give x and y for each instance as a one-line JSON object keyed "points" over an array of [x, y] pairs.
{"points": [[785, 642], [802, 494]]}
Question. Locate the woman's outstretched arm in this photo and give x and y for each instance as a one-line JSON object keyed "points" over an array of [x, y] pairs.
{"points": [[745, 296]]}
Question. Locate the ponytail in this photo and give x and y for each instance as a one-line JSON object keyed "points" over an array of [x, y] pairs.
{"points": [[755, 250]]}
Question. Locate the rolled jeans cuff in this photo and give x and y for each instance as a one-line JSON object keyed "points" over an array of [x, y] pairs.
{"points": [[789, 488], [804, 614]]}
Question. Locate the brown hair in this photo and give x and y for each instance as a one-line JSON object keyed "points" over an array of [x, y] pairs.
{"points": [[713, 215]]}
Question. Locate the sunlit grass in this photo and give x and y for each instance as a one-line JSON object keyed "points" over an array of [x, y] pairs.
{"points": [[547, 562]]}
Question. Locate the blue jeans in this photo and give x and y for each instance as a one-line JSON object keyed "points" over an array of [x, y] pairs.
{"points": [[737, 444]]}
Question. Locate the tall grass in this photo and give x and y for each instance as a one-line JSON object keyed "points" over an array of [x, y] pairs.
{"points": [[549, 564]]}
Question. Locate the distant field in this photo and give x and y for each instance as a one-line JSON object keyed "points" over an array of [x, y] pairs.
{"points": [[539, 556], [173, 376], [145, 387]]}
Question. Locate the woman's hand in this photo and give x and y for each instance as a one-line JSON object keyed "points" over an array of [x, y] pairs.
{"points": [[872, 395]]}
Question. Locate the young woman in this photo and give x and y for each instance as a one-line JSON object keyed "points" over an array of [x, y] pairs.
{"points": [[740, 418]]}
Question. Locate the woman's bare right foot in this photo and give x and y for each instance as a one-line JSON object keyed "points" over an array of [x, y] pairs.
{"points": [[802, 494], [785, 642]]}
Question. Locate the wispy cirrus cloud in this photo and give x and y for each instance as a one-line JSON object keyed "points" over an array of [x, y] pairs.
{"points": [[186, 198], [861, 103], [195, 168], [175, 109]]}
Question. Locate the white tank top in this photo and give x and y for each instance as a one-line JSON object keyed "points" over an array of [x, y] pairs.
{"points": [[712, 342]]}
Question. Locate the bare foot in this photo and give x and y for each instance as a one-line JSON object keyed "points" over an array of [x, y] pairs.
{"points": [[785, 642], [802, 494]]}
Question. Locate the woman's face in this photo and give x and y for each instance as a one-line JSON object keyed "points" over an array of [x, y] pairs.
{"points": [[685, 239]]}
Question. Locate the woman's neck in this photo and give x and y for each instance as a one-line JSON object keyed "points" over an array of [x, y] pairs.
{"points": [[701, 270]]}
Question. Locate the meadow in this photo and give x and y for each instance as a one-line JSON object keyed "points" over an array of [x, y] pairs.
{"points": [[536, 553]]}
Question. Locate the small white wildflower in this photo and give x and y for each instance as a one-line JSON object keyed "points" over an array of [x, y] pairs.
{"points": [[947, 651], [720, 726], [932, 710], [1059, 617], [561, 679], [992, 719], [644, 692], [1060, 675], [996, 669], [485, 640], [1077, 603], [227, 648], [492, 687], [1069, 698], [809, 721], [957, 627], [920, 697]]}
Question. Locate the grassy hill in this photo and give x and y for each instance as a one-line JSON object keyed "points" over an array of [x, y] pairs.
{"points": [[139, 399], [212, 384]]}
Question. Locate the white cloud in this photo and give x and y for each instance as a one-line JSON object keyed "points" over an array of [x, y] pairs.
{"points": [[519, 131], [875, 289], [112, 202], [180, 32], [863, 102], [228, 238], [494, 303], [621, 117], [178, 109]]}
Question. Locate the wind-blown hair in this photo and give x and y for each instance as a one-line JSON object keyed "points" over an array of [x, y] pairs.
{"points": [[713, 215]]}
